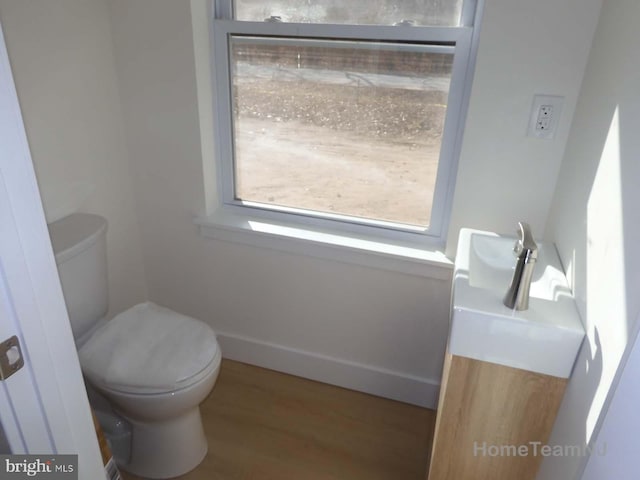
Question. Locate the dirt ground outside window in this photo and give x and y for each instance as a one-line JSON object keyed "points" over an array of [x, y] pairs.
{"points": [[340, 148]]}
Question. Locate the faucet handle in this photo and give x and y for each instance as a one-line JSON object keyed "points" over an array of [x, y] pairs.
{"points": [[526, 241], [517, 247]]}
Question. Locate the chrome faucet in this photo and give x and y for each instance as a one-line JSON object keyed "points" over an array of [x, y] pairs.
{"points": [[526, 252]]}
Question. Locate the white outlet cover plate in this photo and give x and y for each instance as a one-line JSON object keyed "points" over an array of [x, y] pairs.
{"points": [[556, 103]]}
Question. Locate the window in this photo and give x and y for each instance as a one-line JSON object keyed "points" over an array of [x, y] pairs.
{"points": [[342, 114]]}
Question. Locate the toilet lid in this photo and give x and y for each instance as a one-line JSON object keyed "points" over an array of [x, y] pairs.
{"points": [[148, 348]]}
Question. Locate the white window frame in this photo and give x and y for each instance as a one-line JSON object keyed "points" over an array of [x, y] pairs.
{"points": [[459, 39]]}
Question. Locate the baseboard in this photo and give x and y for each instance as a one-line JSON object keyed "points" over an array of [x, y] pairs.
{"points": [[355, 376]]}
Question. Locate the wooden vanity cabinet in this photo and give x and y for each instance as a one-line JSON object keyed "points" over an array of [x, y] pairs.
{"points": [[486, 414]]}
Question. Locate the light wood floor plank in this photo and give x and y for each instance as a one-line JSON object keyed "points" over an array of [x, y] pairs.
{"points": [[265, 425]]}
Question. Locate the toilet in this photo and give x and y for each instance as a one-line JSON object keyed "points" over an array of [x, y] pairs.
{"points": [[153, 365]]}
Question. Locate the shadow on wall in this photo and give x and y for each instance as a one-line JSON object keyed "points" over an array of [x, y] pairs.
{"points": [[587, 371], [630, 188]]}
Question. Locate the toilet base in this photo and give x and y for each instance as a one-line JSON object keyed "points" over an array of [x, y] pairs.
{"points": [[166, 449]]}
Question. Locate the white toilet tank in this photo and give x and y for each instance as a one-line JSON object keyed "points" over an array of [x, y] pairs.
{"points": [[79, 244]]}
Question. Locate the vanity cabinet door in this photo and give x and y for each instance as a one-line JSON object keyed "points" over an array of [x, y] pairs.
{"points": [[492, 421]]}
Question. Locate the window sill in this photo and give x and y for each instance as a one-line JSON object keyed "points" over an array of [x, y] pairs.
{"points": [[410, 258]]}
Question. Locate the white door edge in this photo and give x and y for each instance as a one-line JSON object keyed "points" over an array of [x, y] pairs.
{"points": [[33, 293]]}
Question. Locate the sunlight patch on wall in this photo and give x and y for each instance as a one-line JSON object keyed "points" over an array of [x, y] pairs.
{"points": [[607, 303]]}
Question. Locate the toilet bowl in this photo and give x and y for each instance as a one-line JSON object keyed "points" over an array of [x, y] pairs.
{"points": [[167, 435], [153, 365]]}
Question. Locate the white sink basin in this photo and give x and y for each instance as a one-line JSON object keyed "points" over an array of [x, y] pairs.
{"points": [[545, 338]]}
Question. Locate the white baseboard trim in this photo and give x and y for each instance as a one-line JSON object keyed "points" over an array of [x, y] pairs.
{"points": [[355, 376]]}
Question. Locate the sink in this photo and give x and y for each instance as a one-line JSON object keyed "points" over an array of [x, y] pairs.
{"points": [[544, 339]]}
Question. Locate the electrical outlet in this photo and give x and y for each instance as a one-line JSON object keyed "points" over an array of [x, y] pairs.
{"points": [[544, 116], [546, 111]]}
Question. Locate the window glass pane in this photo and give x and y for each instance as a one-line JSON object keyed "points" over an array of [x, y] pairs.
{"points": [[340, 127], [356, 12]]}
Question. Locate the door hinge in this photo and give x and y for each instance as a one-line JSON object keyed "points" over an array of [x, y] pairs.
{"points": [[10, 357]]}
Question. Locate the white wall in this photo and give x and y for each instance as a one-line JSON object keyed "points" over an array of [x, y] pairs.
{"points": [[367, 328], [62, 58], [526, 48], [595, 224], [340, 322], [337, 318]]}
